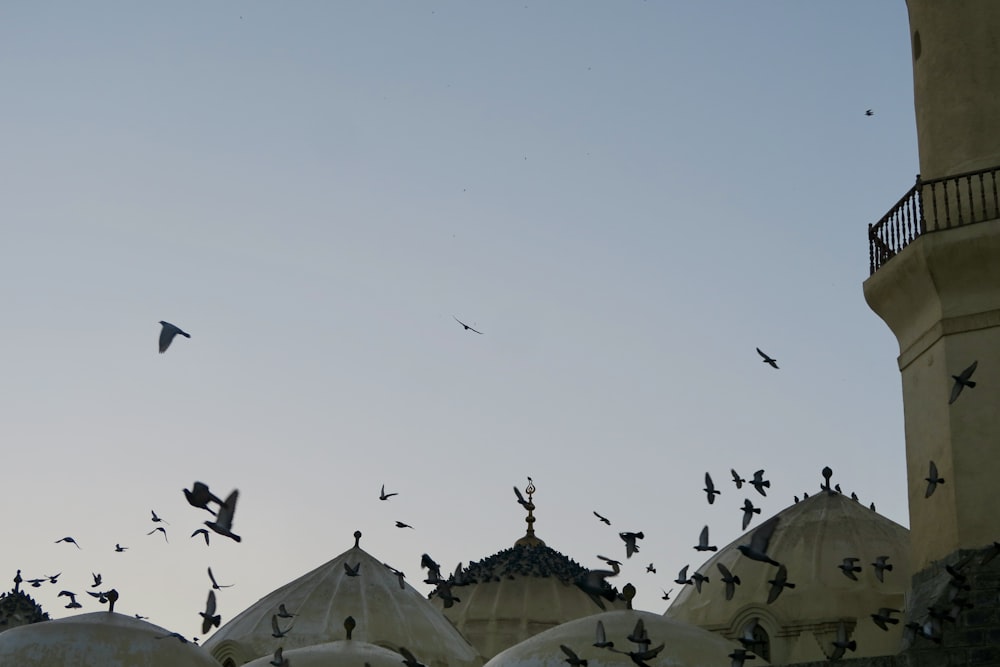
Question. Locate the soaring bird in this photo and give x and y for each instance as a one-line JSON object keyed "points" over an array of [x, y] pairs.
{"points": [[778, 584], [215, 584], [737, 480], [167, 334], [881, 567], [932, 480], [759, 482], [467, 327], [748, 511], [630, 542], [203, 532], [209, 617], [841, 644], [400, 524], [223, 523], [884, 616], [200, 496], [768, 360], [572, 658], [73, 604], [615, 564], [385, 496], [119, 548], [639, 635], [603, 519], [727, 578], [162, 530], [757, 549], [70, 540], [699, 579], [703, 541], [849, 567], [601, 638], [666, 594], [739, 657], [962, 381], [277, 632], [157, 519], [682, 577], [443, 592], [710, 489]]}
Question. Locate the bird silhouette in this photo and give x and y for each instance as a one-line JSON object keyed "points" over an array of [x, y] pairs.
{"points": [[759, 541], [604, 520], [699, 579], [385, 496], [710, 489], [223, 523], [283, 612], [279, 660], [408, 658], [760, 483], [727, 578], [157, 519], [773, 363], [778, 584], [97, 579], [601, 638], [203, 533], [748, 511], [884, 616], [162, 530], [869, 112], [630, 542], [119, 548], [881, 567], [682, 577], [526, 504], [467, 327], [352, 571], [737, 480], [932, 480], [703, 541], [962, 381], [200, 496], [572, 658], [651, 568], [167, 334], [73, 604], [841, 644], [849, 567], [70, 540], [400, 524], [216, 585], [276, 631], [666, 594], [209, 617]]}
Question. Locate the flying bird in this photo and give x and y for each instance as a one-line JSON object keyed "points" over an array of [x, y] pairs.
{"points": [[703, 541], [408, 658], [651, 568], [962, 381], [757, 549], [443, 592], [73, 604], [283, 612], [400, 524], [884, 616], [572, 658], [748, 511], [739, 657], [526, 504], [639, 635], [731, 581], [710, 489], [869, 112], [209, 617], [630, 542], [759, 482], [768, 360], [352, 571], [841, 643], [385, 496], [277, 632], [200, 496], [70, 540], [666, 594], [737, 480], [279, 660], [215, 585], [119, 548], [167, 334], [223, 523], [881, 567], [467, 327], [203, 532], [778, 584], [97, 580], [682, 577], [604, 520], [157, 519], [849, 567], [932, 480], [699, 579], [601, 638], [162, 530]]}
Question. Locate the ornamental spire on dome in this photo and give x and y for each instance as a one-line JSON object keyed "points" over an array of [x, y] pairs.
{"points": [[529, 539]]}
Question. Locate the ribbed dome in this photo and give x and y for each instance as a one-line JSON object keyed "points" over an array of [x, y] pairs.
{"points": [[98, 639], [334, 654], [321, 600], [811, 539], [684, 645], [517, 593]]}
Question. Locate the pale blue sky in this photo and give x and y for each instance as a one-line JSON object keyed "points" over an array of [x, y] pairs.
{"points": [[625, 197]]}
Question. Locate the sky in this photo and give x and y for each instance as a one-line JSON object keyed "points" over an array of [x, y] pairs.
{"points": [[625, 198]]}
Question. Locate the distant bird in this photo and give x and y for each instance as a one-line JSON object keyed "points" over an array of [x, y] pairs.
{"points": [[352, 571], [666, 594], [699, 579], [200, 496], [53, 578], [119, 548], [283, 612], [167, 334], [279, 660], [572, 658], [710, 489], [601, 638], [759, 482], [854, 497], [884, 616], [748, 511], [849, 567], [385, 496], [757, 549], [932, 480], [682, 577], [73, 604], [276, 631], [630, 542], [400, 524], [841, 644], [70, 540], [408, 658], [737, 480], [962, 381], [727, 578], [778, 584], [97, 579], [604, 520], [203, 532], [467, 327], [881, 567], [768, 360], [223, 523], [157, 519], [36, 583], [140, 618], [651, 568], [215, 584], [703, 541], [209, 617], [869, 112], [162, 530]]}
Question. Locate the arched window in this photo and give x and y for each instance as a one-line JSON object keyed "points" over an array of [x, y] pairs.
{"points": [[761, 645], [229, 662]]}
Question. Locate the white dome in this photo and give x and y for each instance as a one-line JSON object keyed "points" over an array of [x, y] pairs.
{"points": [[334, 654]]}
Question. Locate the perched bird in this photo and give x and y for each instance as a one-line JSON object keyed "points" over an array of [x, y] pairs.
{"points": [[710, 489], [352, 571], [703, 541], [97, 579], [408, 658], [682, 577], [279, 660], [73, 604], [604, 520], [881, 567], [203, 532], [869, 112], [759, 482], [737, 480], [385, 496], [400, 524], [630, 542], [167, 334], [209, 617], [141, 618], [276, 631], [748, 511], [773, 363], [466, 326], [282, 612], [223, 523], [70, 540], [728, 579], [778, 584], [841, 644], [215, 584], [699, 579], [572, 658], [757, 549], [962, 381], [600, 638], [884, 616], [157, 519], [119, 548], [849, 567], [200, 496], [666, 594], [162, 530], [932, 480]]}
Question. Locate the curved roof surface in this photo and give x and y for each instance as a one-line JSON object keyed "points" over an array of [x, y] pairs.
{"points": [[347, 653]]}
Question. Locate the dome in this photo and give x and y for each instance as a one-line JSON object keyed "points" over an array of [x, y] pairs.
{"points": [[332, 654], [388, 612], [684, 645], [812, 538], [98, 639]]}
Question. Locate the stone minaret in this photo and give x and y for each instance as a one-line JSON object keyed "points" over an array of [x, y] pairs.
{"points": [[935, 261]]}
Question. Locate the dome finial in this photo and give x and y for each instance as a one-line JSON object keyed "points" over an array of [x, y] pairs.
{"points": [[357, 538], [529, 539]]}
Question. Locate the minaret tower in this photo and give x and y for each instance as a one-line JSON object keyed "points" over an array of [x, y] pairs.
{"points": [[935, 262]]}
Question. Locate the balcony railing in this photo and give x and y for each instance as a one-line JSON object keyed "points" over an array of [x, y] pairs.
{"points": [[931, 206]]}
